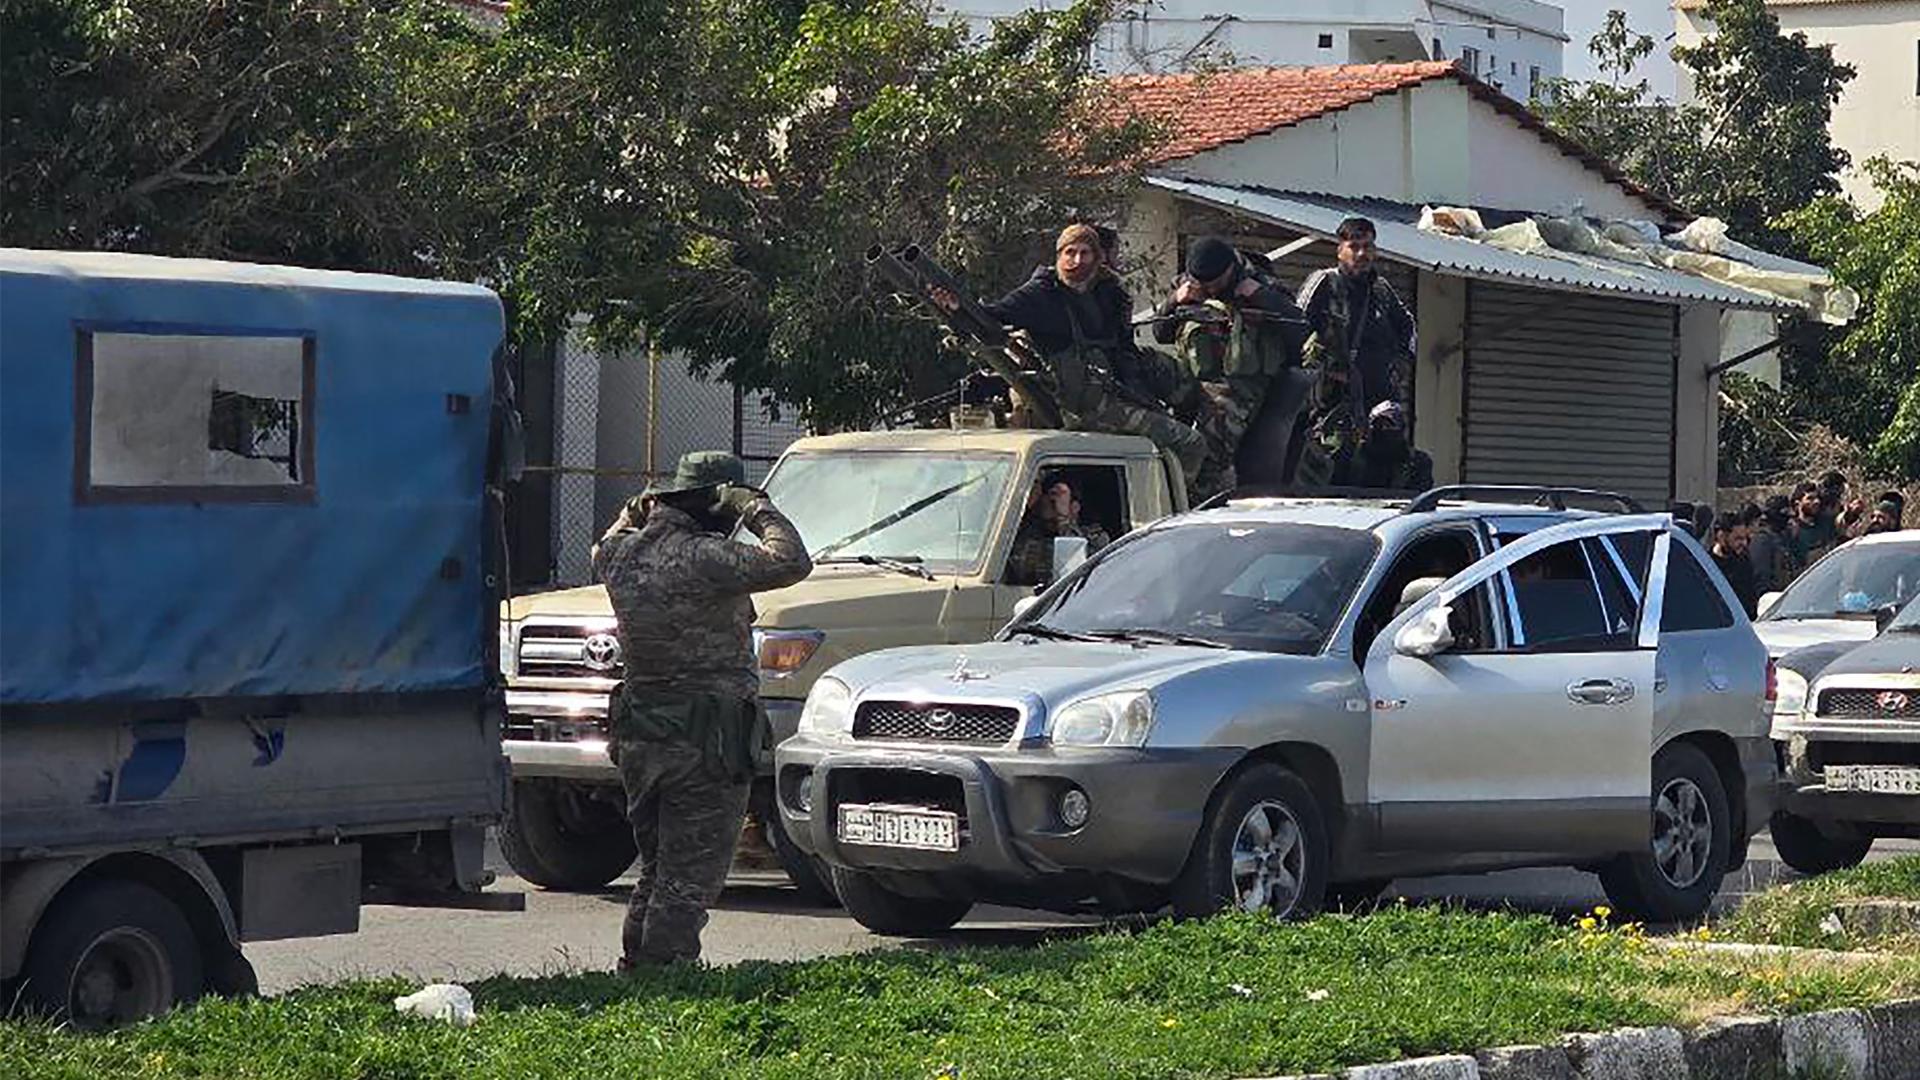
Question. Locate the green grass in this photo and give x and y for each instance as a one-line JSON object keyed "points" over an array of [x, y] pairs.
{"points": [[1792, 914], [1230, 997]]}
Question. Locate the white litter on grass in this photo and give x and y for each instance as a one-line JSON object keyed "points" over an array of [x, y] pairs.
{"points": [[1319, 995], [440, 1001], [1831, 924], [1243, 991]]}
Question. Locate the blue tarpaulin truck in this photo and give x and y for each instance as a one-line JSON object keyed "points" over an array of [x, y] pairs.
{"points": [[249, 579]]}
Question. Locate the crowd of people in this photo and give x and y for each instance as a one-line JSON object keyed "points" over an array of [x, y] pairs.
{"points": [[1762, 547]]}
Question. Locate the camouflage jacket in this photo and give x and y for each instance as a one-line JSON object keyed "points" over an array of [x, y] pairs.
{"points": [[1380, 348], [682, 597]]}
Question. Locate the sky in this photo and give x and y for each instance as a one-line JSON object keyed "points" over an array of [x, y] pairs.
{"points": [[1584, 19]]}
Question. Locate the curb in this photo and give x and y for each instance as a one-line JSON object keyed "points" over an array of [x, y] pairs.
{"points": [[1880, 1043]]}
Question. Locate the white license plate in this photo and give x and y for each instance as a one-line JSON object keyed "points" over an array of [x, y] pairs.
{"points": [[1878, 779], [899, 827]]}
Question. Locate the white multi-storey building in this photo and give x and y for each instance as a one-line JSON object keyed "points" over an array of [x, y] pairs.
{"points": [[1879, 111], [1514, 44]]}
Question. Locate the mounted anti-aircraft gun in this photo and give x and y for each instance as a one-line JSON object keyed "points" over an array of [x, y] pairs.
{"points": [[915, 273]]}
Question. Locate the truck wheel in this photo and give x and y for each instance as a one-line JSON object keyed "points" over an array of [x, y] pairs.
{"points": [[884, 911], [1814, 847], [810, 877], [564, 840], [1263, 847], [110, 952], [1676, 877]]}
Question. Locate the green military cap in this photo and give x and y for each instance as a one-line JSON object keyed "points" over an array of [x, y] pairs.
{"points": [[701, 469]]}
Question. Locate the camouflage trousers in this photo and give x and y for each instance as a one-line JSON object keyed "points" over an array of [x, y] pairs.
{"points": [[1222, 421], [1111, 414], [686, 819]]}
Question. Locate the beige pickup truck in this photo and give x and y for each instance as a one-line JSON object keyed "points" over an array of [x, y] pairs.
{"points": [[910, 533]]}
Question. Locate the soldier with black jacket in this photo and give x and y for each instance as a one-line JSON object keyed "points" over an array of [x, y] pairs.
{"points": [[1362, 348], [686, 726]]}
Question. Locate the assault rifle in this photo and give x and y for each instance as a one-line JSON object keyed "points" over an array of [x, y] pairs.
{"points": [[1208, 315], [915, 273]]}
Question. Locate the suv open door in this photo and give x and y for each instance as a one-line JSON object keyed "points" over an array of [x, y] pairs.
{"points": [[1540, 739]]}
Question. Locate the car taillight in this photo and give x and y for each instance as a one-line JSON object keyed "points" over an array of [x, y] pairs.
{"points": [[1773, 680]]}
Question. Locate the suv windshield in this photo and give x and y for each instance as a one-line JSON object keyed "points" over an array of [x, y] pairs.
{"points": [[1853, 582], [925, 509], [1270, 587]]}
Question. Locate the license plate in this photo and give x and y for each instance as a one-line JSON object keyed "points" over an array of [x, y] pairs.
{"points": [[900, 827], [1877, 779]]}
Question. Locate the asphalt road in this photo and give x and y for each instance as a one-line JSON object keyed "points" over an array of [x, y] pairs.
{"points": [[760, 918]]}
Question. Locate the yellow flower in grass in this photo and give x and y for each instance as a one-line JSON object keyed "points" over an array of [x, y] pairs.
{"points": [[1588, 923], [1603, 911], [1169, 1023]]}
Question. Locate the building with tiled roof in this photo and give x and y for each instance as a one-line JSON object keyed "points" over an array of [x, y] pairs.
{"points": [[1535, 366]]}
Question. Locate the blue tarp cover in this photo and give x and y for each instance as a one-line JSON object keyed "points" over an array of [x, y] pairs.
{"points": [[372, 581]]}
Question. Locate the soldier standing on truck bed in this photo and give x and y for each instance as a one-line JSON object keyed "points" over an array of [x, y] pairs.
{"points": [[1079, 320], [685, 721], [1235, 359], [1362, 349]]}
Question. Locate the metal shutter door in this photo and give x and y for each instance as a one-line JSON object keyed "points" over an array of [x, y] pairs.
{"points": [[1565, 388]]}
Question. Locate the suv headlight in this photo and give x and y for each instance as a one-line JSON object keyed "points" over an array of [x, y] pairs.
{"points": [[1790, 692], [1120, 719], [509, 663], [829, 709], [780, 653]]}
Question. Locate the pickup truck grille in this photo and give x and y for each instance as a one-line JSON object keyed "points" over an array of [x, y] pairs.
{"points": [[1868, 704], [935, 722], [568, 651]]}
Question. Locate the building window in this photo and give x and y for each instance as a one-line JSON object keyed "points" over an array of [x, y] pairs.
{"points": [[1326, 41], [1513, 67], [1470, 59], [1533, 82], [1490, 33], [1439, 51]]}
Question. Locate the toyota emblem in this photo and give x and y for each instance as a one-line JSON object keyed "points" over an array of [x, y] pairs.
{"points": [[1892, 701], [940, 721], [601, 652]]}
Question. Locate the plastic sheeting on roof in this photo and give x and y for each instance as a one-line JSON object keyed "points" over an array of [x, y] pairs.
{"points": [[1404, 242]]}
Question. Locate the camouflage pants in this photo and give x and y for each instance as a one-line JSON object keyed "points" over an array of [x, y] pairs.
{"points": [[686, 820], [1111, 414], [1222, 422]]}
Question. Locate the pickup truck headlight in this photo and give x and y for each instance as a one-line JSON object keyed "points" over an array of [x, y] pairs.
{"points": [[1121, 719], [782, 652], [1791, 692], [509, 663], [829, 709]]}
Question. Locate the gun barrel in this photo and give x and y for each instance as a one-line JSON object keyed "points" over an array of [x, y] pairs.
{"points": [[971, 317]]}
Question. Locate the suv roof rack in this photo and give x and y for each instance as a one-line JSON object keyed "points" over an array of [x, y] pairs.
{"points": [[1554, 498], [1295, 491]]}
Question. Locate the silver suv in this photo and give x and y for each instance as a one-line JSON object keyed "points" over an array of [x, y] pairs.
{"points": [[1280, 704]]}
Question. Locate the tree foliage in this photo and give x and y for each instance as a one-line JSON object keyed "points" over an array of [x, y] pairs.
{"points": [[1866, 385], [1752, 144], [703, 173]]}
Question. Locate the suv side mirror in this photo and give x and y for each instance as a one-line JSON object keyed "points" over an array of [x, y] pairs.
{"points": [[1417, 590], [1429, 635], [1767, 600], [1884, 615], [1024, 605], [1068, 552]]}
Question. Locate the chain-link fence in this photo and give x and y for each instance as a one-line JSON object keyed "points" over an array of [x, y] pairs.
{"points": [[621, 418]]}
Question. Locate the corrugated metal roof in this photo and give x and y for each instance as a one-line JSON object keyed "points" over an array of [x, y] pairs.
{"points": [[1403, 242]]}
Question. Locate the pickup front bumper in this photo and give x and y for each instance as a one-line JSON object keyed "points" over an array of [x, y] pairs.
{"points": [[1145, 807], [562, 735]]}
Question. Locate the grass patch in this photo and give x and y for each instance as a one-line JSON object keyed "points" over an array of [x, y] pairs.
{"points": [[1799, 913], [1236, 996]]}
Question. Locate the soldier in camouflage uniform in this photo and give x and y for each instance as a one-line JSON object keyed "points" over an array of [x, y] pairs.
{"points": [[1361, 350], [1078, 319], [1053, 512], [686, 726], [1231, 362]]}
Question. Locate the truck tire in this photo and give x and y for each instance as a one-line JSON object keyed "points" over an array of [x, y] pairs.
{"points": [[109, 952], [563, 840], [1688, 852], [1262, 847], [810, 877], [1814, 847], [884, 911]]}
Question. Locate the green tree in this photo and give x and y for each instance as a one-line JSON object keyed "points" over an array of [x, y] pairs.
{"points": [[1750, 146], [1866, 385]]}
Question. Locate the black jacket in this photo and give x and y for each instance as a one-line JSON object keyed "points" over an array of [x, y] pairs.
{"points": [[1040, 306]]}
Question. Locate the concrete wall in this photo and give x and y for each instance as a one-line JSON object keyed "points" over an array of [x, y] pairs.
{"points": [[1879, 111], [1439, 381], [1167, 34], [1514, 169]]}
